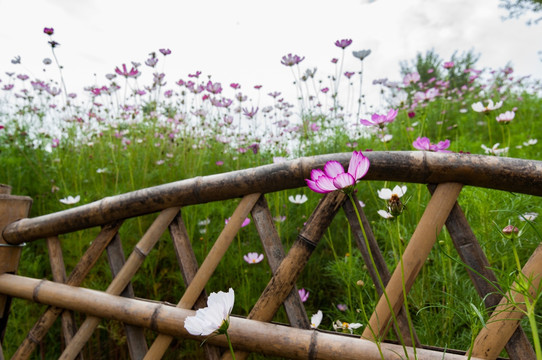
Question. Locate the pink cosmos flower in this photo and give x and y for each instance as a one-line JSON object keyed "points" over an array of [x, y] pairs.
{"points": [[253, 257], [124, 72], [448, 64], [291, 60], [333, 177], [49, 31], [344, 43], [303, 294], [423, 143], [165, 51], [250, 113], [411, 78], [380, 120], [506, 117]]}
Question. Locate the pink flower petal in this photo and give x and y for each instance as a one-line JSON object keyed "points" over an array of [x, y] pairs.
{"points": [[333, 168]]}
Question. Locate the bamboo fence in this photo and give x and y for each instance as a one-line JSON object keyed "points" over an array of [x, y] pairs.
{"points": [[446, 175]]}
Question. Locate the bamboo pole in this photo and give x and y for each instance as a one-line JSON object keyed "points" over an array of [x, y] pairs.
{"points": [[58, 270], [379, 271], [517, 175], [80, 271], [274, 252], [12, 208], [414, 257], [291, 266], [248, 335], [141, 250], [506, 317], [188, 265], [196, 286], [135, 337], [482, 276]]}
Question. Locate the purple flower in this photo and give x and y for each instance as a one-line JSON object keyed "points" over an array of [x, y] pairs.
{"points": [[448, 64], [291, 60], [380, 120], [253, 257], [342, 307], [245, 222], [250, 113], [344, 43], [49, 31], [215, 88], [423, 143], [303, 294], [165, 51], [333, 177], [124, 72]]}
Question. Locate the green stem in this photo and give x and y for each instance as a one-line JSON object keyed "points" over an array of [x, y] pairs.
{"points": [[230, 345]]}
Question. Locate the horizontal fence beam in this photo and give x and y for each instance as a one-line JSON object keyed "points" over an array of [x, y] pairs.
{"points": [[508, 174], [247, 335]]}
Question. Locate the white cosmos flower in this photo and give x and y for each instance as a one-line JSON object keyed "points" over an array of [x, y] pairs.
{"points": [[316, 319], [495, 150], [298, 199], [338, 325], [70, 200], [214, 317], [386, 194], [529, 216], [479, 106]]}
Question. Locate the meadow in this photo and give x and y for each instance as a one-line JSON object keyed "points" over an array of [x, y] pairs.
{"points": [[122, 134]]}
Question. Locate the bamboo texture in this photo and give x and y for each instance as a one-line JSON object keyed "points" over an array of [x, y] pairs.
{"points": [[80, 271], [247, 335], [517, 175], [196, 286], [142, 249], [505, 318], [413, 258]]}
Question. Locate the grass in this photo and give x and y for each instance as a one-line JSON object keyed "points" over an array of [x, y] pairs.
{"points": [[109, 142]]}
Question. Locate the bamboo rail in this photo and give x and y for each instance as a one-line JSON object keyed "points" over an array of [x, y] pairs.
{"points": [[248, 335], [508, 174]]}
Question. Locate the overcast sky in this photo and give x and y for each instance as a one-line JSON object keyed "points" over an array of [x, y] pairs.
{"points": [[243, 40]]}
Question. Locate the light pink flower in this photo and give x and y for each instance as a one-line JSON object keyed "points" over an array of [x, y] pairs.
{"points": [[245, 222], [303, 294], [423, 143], [333, 177], [506, 117], [253, 257], [380, 120]]}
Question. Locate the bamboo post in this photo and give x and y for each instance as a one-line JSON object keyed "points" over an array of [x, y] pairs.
{"points": [[506, 317], [141, 250], [80, 271], [481, 275], [412, 260], [291, 266], [274, 252], [58, 271], [192, 292], [189, 267], [135, 337], [247, 335], [12, 208], [379, 271]]}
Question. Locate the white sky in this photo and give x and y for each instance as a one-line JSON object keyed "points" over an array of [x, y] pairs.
{"points": [[243, 40]]}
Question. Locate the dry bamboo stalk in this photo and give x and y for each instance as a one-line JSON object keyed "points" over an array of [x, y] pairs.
{"points": [[189, 267], [291, 266], [58, 270], [87, 261], [141, 250], [135, 337], [505, 318], [192, 292], [248, 335], [414, 257], [12, 208], [274, 252], [481, 275], [517, 175], [379, 271]]}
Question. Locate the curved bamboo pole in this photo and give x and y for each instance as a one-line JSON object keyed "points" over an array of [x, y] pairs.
{"points": [[247, 335], [508, 174]]}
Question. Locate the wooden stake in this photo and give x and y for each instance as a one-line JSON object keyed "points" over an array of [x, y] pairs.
{"points": [[142, 249], [81, 270], [207, 268], [247, 335], [414, 257], [505, 318]]}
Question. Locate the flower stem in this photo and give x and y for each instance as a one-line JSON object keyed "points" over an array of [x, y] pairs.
{"points": [[230, 345]]}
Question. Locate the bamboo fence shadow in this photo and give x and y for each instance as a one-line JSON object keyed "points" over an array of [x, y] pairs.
{"points": [[446, 174]]}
